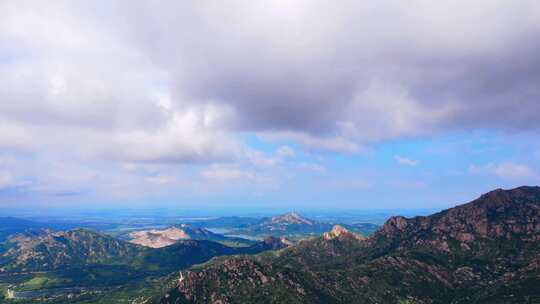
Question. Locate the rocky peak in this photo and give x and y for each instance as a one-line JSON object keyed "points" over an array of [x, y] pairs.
{"points": [[497, 214], [502, 197], [397, 222], [339, 232]]}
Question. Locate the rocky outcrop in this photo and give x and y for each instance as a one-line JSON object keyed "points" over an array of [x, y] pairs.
{"points": [[158, 238], [338, 232]]}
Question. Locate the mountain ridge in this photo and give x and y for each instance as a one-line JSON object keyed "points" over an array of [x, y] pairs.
{"points": [[485, 251], [48, 250]]}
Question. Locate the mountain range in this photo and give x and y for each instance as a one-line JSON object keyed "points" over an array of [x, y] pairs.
{"points": [[485, 251], [82, 257], [295, 226]]}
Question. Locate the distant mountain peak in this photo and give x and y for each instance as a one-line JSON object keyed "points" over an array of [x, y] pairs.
{"points": [[292, 218]]}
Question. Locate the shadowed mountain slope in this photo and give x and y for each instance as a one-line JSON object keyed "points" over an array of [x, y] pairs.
{"points": [[45, 250]]}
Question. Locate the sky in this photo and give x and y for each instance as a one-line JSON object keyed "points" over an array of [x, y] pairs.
{"points": [[268, 104]]}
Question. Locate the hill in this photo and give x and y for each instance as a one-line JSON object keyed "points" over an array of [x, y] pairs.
{"points": [[45, 259], [486, 251], [48, 250], [157, 238], [43, 250]]}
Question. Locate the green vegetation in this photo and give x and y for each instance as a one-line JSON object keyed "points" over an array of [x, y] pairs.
{"points": [[3, 290], [83, 266], [41, 282], [482, 252]]}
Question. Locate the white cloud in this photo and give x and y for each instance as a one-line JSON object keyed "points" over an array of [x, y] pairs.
{"points": [[227, 173], [313, 143], [114, 82], [7, 180], [259, 159], [513, 171], [15, 137], [185, 137], [97, 95], [312, 167], [161, 179], [285, 151], [506, 170], [80, 67], [405, 161], [71, 173]]}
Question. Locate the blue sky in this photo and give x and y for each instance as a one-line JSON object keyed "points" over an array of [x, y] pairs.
{"points": [[420, 173], [290, 106]]}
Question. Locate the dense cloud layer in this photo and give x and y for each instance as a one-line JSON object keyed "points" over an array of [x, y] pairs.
{"points": [[364, 71], [313, 72]]}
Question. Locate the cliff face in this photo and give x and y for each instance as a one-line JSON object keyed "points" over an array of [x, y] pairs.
{"points": [[486, 251]]}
